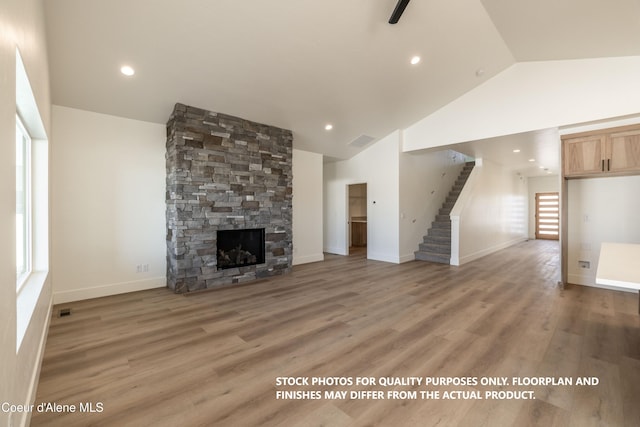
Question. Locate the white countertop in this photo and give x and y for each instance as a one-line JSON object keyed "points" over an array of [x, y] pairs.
{"points": [[619, 265]]}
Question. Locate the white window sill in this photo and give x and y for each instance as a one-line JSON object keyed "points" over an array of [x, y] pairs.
{"points": [[26, 303]]}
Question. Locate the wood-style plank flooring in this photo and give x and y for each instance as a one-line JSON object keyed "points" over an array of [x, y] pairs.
{"points": [[153, 358]]}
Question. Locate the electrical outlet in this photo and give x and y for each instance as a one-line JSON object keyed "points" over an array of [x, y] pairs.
{"points": [[145, 268], [584, 264], [139, 268]]}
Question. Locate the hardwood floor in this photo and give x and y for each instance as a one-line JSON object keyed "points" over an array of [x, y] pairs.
{"points": [[212, 359]]}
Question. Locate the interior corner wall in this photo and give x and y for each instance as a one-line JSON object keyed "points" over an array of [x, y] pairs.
{"points": [[599, 210], [21, 27], [495, 215], [539, 184], [108, 192], [378, 167], [307, 207], [426, 178]]}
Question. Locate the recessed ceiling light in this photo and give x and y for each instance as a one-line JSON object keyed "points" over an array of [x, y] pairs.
{"points": [[516, 151], [127, 70], [328, 126], [532, 160], [541, 167], [415, 60]]}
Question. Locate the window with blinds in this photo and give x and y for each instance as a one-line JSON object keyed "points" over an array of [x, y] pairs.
{"points": [[547, 216]]}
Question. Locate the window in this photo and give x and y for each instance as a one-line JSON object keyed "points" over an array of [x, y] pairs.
{"points": [[547, 216], [32, 203], [23, 204]]}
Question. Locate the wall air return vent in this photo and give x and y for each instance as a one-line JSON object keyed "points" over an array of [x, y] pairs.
{"points": [[361, 141]]}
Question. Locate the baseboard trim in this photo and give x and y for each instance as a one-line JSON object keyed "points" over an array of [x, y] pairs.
{"points": [[479, 254], [297, 260], [407, 258], [35, 375], [383, 257], [579, 279], [336, 251], [106, 290]]}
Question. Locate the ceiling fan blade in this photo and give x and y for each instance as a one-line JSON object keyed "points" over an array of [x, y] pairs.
{"points": [[397, 12]]}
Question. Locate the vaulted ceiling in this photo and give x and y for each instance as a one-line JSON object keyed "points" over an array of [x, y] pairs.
{"points": [[301, 64]]}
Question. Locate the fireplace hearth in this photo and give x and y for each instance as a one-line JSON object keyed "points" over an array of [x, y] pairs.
{"points": [[240, 248]]}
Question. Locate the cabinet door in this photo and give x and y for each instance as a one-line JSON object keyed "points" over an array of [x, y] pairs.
{"points": [[358, 234], [584, 155], [624, 151]]}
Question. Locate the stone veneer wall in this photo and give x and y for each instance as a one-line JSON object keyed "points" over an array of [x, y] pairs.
{"points": [[224, 173]]}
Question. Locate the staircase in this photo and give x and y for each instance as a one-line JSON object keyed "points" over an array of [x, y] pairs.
{"points": [[436, 246]]}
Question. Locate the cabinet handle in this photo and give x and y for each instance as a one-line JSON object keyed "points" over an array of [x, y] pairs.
{"points": [[602, 165], [609, 165]]}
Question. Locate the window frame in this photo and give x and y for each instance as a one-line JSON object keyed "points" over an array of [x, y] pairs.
{"points": [[30, 289], [24, 234]]}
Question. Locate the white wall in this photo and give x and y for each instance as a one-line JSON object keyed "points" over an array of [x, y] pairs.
{"points": [[539, 184], [378, 167], [492, 212], [108, 205], [534, 95], [599, 210], [426, 178], [307, 207], [21, 26]]}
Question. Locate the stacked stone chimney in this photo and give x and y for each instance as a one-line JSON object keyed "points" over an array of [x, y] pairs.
{"points": [[225, 173]]}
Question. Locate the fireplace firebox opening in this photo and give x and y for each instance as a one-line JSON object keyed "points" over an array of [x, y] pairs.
{"points": [[240, 248]]}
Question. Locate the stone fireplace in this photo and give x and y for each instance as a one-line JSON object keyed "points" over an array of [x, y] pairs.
{"points": [[229, 193]]}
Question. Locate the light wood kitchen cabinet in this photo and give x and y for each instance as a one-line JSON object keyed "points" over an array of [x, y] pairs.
{"points": [[625, 151], [584, 155], [608, 152]]}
